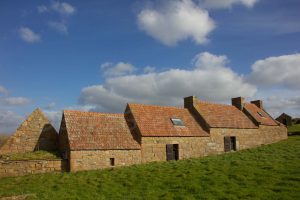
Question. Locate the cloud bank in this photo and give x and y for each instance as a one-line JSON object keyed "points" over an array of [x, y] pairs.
{"points": [[223, 4], [175, 21], [209, 79], [281, 71]]}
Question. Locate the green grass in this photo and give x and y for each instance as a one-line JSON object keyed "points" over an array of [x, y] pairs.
{"points": [[294, 128], [267, 172], [36, 155]]}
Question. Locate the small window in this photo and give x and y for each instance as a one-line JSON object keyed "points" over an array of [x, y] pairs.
{"points": [[177, 122], [261, 114], [112, 161]]}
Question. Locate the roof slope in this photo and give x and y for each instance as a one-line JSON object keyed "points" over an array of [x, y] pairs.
{"points": [[265, 119], [156, 121], [90, 130], [223, 116]]}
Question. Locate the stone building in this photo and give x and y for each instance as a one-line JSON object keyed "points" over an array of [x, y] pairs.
{"points": [[92, 140], [35, 133], [146, 133], [285, 119]]}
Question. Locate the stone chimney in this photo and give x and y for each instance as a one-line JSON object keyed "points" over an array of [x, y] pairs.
{"points": [[190, 101], [258, 103], [238, 102]]}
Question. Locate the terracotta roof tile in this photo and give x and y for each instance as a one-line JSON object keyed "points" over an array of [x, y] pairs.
{"points": [[223, 116], [156, 121], [255, 111], [91, 130]]}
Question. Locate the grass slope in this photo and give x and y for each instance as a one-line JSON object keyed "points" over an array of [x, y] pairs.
{"points": [[267, 172], [294, 128], [36, 155]]}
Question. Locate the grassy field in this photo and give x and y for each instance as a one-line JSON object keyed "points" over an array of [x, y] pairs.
{"points": [[37, 155], [294, 128], [267, 172]]}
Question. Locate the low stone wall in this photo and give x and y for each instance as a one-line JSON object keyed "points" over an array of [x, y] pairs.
{"points": [[10, 168]]}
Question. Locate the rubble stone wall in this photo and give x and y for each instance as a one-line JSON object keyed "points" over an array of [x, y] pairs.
{"points": [[10, 168], [99, 159]]}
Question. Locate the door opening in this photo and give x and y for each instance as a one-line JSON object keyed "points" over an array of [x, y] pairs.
{"points": [[172, 151], [229, 143]]}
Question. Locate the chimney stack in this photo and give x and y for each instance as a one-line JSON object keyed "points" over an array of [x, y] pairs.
{"points": [[258, 103], [190, 101], [238, 102]]}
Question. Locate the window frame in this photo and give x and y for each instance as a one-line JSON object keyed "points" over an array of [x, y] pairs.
{"points": [[177, 121]]}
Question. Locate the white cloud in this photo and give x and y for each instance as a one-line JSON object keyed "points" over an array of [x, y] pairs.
{"points": [[2, 90], [42, 9], [175, 21], [149, 69], [61, 27], [215, 82], [119, 69], [28, 35], [63, 8], [50, 106], [221, 4], [206, 60], [9, 121], [283, 71], [15, 101]]}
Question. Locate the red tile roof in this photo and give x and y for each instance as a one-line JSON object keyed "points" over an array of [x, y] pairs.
{"points": [[265, 119], [91, 130], [156, 121], [223, 116]]}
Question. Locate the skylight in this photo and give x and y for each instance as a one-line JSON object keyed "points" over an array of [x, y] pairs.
{"points": [[177, 122], [261, 114]]}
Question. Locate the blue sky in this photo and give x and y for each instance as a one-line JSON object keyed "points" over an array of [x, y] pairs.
{"points": [[99, 55]]}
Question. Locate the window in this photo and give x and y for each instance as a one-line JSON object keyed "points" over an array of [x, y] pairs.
{"points": [[177, 122], [112, 161], [261, 114], [229, 143]]}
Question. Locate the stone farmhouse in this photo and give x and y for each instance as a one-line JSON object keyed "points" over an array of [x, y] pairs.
{"points": [[147, 133]]}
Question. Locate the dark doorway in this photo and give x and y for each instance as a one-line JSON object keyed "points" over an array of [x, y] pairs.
{"points": [[229, 143], [172, 152], [112, 161]]}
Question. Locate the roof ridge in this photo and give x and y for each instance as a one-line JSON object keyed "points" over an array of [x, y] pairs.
{"points": [[93, 112], [141, 104], [213, 103]]}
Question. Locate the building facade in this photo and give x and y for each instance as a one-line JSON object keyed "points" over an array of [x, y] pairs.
{"points": [[147, 133]]}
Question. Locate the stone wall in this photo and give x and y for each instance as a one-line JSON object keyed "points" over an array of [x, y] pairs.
{"points": [[248, 138], [35, 133], [98, 159], [154, 148], [10, 168]]}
